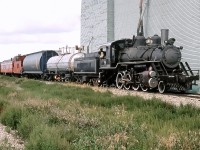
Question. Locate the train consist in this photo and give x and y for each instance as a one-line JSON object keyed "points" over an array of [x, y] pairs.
{"points": [[152, 63]]}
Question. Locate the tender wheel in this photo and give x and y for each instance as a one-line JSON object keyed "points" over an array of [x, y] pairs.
{"points": [[127, 86], [161, 87], [136, 87], [144, 88], [119, 81]]}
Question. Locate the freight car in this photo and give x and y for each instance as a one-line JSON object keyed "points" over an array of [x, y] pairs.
{"points": [[61, 68], [34, 64], [18, 65], [138, 63], [7, 67], [13, 66]]}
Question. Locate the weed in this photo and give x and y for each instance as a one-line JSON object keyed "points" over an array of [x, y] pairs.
{"points": [[2, 105], [44, 137], [11, 116]]}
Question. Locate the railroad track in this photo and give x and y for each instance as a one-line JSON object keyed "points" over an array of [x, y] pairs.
{"points": [[195, 96]]}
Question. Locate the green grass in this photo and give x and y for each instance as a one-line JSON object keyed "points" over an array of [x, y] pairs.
{"points": [[55, 116]]}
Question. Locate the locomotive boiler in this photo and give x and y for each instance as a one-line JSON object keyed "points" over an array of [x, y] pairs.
{"points": [[169, 54]]}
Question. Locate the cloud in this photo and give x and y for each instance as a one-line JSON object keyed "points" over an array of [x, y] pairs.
{"points": [[18, 45], [31, 24], [35, 27], [36, 16], [41, 38]]}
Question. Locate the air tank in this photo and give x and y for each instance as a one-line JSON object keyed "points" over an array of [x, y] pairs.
{"points": [[35, 63], [63, 62]]}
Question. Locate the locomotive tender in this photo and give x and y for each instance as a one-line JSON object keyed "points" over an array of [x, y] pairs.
{"points": [[138, 63], [152, 63]]}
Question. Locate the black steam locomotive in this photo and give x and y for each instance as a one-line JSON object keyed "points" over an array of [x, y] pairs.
{"points": [[138, 63]]}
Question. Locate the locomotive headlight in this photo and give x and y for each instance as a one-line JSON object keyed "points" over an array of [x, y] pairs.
{"points": [[152, 74]]}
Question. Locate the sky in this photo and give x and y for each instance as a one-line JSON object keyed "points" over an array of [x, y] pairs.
{"points": [[28, 26]]}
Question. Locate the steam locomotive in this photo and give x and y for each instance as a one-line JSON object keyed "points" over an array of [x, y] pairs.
{"points": [[138, 63], [152, 63]]}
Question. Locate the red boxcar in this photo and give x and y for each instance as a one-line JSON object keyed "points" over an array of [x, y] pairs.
{"points": [[18, 64], [7, 67]]}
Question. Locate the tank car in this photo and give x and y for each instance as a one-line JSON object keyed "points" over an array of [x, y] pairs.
{"points": [[143, 63], [35, 63], [61, 67]]}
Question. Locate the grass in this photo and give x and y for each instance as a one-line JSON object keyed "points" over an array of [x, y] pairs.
{"points": [[55, 116]]}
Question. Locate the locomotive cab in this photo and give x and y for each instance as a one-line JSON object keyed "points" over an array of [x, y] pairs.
{"points": [[110, 54]]}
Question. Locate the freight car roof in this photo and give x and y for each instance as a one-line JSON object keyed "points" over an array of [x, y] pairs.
{"points": [[40, 52]]}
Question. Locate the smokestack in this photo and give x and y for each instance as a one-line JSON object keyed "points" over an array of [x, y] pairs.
{"points": [[164, 35]]}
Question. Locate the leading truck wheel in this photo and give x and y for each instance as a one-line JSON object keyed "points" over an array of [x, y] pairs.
{"points": [[119, 81], [161, 87]]}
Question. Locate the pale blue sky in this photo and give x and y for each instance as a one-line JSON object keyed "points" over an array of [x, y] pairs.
{"points": [[32, 25]]}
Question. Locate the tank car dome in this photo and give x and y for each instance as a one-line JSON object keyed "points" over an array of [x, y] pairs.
{"points": [[171, 56]]}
